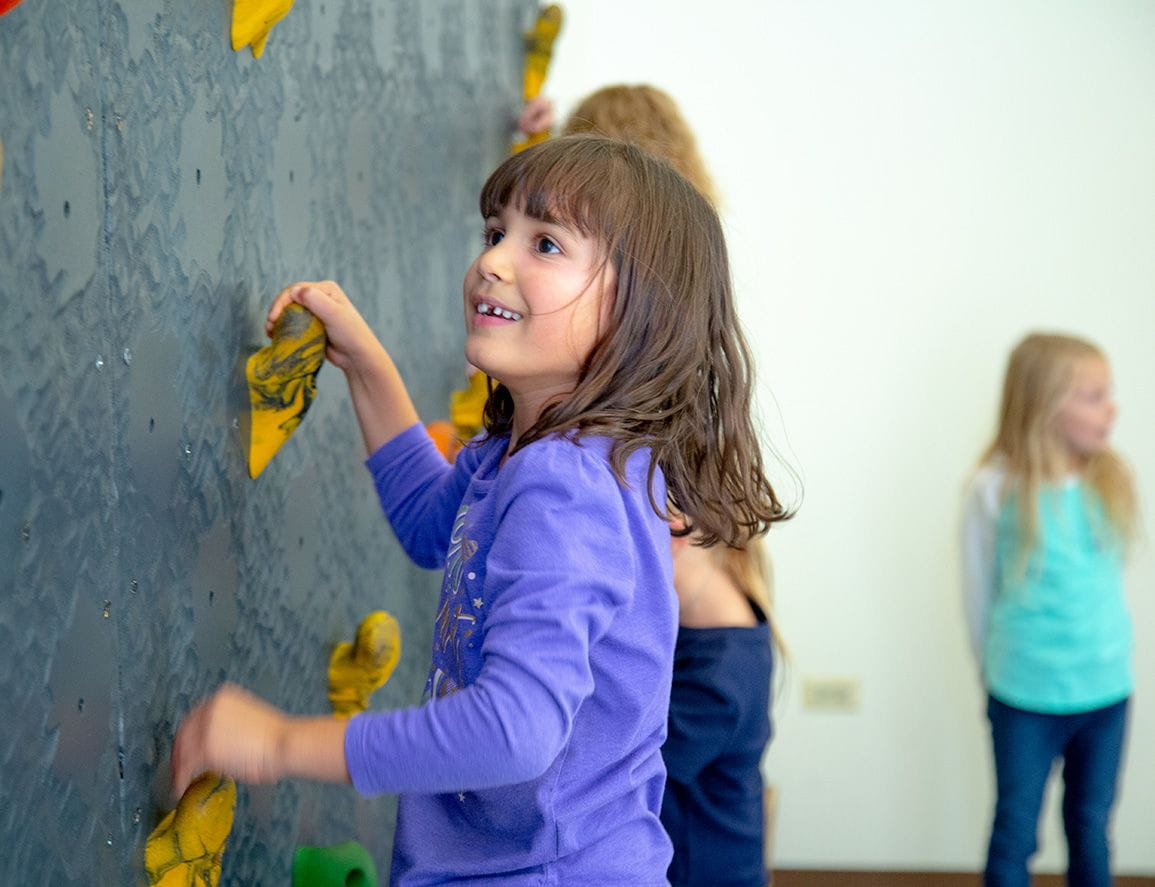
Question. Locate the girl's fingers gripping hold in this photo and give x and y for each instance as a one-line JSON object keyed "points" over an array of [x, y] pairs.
{"points": [[349, 337], [315, 296]]}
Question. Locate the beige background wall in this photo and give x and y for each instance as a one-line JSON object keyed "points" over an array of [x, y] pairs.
{"points": [[909, 188]]}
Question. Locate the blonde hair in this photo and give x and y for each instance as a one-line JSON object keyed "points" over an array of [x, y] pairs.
{"points": [[1038, 379], [752, 574], [648, 118]]}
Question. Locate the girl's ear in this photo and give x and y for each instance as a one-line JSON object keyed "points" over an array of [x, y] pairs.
{"points": [[678, 544]]}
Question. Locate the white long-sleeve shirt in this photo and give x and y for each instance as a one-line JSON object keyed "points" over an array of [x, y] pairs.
{"points": [[979, 527]]}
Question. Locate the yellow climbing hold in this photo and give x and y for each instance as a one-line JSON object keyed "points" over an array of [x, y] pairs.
{"points": [[538, 50], [187, 847], [282, 379], [253, 19], [359, 668], [467, 405], [539, 47]]}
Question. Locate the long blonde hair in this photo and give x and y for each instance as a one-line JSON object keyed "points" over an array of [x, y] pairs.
{"points": [[648, 118], [750, 570], [1039, 377]]}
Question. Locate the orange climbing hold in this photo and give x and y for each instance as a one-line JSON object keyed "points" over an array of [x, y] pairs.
{"points": [[445, 436]]}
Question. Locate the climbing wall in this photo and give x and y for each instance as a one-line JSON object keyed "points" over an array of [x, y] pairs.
{"points": [[157, 189]]}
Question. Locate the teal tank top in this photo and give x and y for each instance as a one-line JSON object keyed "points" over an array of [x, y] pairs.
{"points": [[1059, 639]]}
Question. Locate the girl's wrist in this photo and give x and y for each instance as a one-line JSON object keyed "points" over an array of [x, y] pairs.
{"points": [[313, 748], [373, 364]]}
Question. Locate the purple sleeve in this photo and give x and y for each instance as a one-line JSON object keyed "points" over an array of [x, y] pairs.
{"points": [[419, 492], [558, 571]]}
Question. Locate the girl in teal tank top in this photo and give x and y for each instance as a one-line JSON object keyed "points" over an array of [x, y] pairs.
{"points": [[1046, 523]]}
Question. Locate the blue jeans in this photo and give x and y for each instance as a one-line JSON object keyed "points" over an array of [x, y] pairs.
{"points": [[1026, 745]]}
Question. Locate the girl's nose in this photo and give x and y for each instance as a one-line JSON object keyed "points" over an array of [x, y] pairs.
{"points": [[494, 263]]}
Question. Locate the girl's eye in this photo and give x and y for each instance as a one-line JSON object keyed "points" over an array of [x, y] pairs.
{"points": [[493, 237], [547, 246]]}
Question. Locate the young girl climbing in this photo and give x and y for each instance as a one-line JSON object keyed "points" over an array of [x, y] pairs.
{"points": [[601, 306], [1046, 521]]}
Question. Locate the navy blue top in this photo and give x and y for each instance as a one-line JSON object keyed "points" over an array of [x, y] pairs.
{"points": [[719, 726]]}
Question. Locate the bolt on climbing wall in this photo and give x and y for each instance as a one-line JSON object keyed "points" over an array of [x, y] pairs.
{"points": [[157, 188]]}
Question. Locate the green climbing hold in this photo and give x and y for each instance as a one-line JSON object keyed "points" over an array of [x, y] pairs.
{"points": [[342, 865]]}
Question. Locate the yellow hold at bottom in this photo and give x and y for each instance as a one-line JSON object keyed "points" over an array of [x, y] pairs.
{"points": [[282, 379], [357, 669], [252, 21], [187, 847]]}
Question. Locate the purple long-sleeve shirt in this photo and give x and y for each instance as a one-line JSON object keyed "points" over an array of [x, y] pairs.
{"points": [[536, 756]]}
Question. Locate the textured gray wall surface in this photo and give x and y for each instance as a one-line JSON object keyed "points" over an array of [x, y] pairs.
{"points": [[157, 190]]}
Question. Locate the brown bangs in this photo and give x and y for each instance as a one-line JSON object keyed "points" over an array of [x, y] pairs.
{"points": [[672, 372], [577, 181]]}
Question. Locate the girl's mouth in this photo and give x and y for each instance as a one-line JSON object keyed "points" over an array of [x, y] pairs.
{"points": [[494, 311]]}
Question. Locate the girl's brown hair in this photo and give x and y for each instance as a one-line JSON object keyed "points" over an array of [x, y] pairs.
{"points": [[647, 117], [1039, 376], [672, 371]]}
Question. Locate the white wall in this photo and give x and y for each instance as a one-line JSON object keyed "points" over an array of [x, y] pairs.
{"points": [[908, 188]]}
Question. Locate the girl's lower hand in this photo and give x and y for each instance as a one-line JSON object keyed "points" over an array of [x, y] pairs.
{"points": [[350, 338], [231, 732]]}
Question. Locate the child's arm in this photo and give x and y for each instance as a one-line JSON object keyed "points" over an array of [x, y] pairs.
{"points": [[420, 493], [426, 483], [980, 516], [239, 735], [380, 398], [561, 569]]}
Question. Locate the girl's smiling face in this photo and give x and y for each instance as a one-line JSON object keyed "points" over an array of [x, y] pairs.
{"points": [[1087, 415], [536, 302]]}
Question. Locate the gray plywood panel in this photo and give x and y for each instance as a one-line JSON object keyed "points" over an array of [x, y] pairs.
{"points": [[157, 190]]}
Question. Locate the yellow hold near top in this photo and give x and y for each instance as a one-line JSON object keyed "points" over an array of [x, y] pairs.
{"points": [[539, 47], [252, 21], [187, 846], [538, 51], [357, 669], [282, 379]]}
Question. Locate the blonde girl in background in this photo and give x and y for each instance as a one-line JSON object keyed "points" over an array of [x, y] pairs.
{"points": [[1046, 522], [719, 724]]}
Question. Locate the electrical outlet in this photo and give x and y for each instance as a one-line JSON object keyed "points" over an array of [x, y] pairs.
{"points": [[835, 693]]}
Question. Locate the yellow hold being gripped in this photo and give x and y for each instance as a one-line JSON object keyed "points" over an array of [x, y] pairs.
{"points": [[282, 379]]}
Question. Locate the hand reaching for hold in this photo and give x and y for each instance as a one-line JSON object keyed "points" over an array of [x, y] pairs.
{"points": [[231, 732]]}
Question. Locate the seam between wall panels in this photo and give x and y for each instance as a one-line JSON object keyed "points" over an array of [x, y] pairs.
{"points": [[113, 560]]}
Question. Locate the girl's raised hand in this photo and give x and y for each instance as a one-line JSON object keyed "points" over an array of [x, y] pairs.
{"points": [[536, 116], [231, 732], [350, 338]]}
